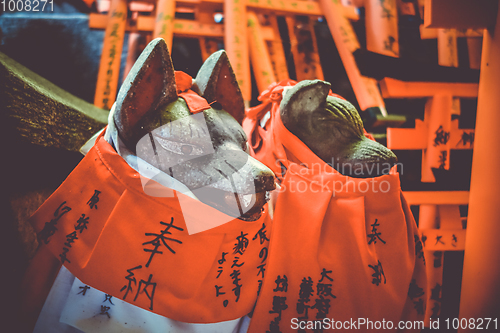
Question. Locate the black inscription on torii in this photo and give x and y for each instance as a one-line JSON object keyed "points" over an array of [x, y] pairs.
{"points": [[441, 136], [94, 199], [467, 138], [438, 256], [438, 240], [50, 227], [375, 234], [305, 292], [424, 239], [161, 238], [386, 11], [389, 44], [443, 157]]}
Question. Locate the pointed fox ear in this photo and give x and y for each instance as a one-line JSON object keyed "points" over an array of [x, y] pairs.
{"points": [[150, 83], [305, 97], [216, 82]]}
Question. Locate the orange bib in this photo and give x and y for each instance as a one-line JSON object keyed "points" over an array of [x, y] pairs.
{"points": [[342, 248], [115, 238]]}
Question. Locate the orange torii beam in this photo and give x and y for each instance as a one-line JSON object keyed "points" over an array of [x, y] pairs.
{"points": [[474, 41], [392, 88], [443, 240], [181, 27], [277, 7], [437, 134], [109, 68], [436, 197]]}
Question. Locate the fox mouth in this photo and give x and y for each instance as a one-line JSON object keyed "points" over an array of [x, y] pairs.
{"points": [[246, 207]]}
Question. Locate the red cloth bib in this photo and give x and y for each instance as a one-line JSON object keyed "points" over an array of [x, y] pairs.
{"points": [[342, 248], [115, 238]]}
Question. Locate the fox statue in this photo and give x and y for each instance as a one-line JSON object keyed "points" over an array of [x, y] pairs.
{"points": [[165, 205], [345, 252]]}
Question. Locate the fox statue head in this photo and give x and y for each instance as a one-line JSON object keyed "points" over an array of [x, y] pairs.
{"points": [[188, 130], [332, 128]]}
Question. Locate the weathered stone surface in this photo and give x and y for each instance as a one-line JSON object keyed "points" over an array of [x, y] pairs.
{"points": [[43, 113]]}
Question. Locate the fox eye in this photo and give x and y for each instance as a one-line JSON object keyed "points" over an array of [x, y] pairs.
{"points": [[179, 148]]}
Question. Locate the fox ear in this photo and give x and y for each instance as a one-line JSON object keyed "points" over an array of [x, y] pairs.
{"points": [[150, 83], [305, 97], [217, 83]]}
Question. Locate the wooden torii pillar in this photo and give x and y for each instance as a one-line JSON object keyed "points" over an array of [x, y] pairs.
{"points": [[480, 284], [480, 297], [439, 221]]}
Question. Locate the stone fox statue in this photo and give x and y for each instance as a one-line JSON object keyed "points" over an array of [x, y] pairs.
{"points": [[345, 251], [168, 203], [325, 122], [332, 128], [156, 119]]}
